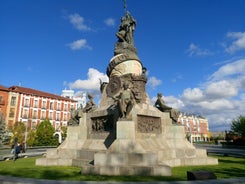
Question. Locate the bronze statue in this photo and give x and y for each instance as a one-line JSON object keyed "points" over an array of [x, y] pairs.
{"points": [[90, 105], [160, 104], [75, 116], [125, 100], [126, 29]]}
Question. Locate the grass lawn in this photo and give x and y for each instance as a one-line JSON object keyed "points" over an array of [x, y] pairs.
{"points": [[229, 167]]}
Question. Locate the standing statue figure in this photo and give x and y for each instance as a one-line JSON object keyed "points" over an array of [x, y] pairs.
{"points": [[90, 105], [126, 29], [125, 100], [160, 104]]}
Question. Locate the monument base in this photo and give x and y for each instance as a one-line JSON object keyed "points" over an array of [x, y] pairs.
{"points": [[149, 144]]}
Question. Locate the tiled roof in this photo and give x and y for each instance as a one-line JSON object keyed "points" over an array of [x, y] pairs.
{"points": [[34, 92], [2, 88]]}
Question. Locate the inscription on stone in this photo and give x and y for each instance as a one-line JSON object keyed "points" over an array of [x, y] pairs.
{"points": [[149, 124]]}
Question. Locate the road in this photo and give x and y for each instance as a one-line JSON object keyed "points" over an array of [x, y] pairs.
{"points": [[219, 150], [30, 152]]}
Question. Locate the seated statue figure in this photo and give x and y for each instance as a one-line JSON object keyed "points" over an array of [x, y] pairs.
{"points": [[75, 116], [125, 100], [90, 105], [160, 104]]}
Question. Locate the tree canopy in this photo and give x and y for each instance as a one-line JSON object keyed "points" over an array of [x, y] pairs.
{"points": [[45, 134], [238, 126], [4, 133], [18, 131]]}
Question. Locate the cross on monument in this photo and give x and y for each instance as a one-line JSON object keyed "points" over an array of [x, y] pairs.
{"points": [[124, 6]]}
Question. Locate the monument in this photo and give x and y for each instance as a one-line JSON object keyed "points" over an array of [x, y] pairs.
{"points": [[125, 134]]}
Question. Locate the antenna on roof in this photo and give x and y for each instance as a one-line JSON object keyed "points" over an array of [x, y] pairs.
{"points": [[20, 83]]}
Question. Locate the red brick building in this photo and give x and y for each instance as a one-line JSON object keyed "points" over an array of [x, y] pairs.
{"points": [[30, 106], [196, 127], [4, 92]]}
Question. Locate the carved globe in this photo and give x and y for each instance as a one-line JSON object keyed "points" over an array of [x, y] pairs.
{"points": [[122, 64]]}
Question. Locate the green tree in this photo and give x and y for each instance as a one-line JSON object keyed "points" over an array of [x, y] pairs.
{"points": [[45, 134], [4, 133], [238, 126], [31, 138], [18, 131]]}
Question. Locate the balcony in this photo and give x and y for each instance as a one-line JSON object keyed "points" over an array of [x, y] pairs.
{"points": [[2, 102]]}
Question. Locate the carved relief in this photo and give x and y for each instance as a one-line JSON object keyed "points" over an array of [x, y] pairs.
{"points": [[101, 124], [149, 124], [114, 86]]}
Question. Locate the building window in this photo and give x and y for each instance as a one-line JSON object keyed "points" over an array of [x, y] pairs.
{"points": [[11, 113], [35, 103], [1, 101], [34, 114], [43, 116], [33, 125], [58, 117], [44, 106], [51, 105], [59, 107], [51, 115], [13, 101], [66, 107], [65, 117], [25, 114], [27, 103]]}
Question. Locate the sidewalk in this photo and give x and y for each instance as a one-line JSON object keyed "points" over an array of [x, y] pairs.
{"points": [[16, 180]]}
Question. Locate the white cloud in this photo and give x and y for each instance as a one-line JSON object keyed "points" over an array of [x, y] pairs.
{"points": [[221, 98], [232, 68], [195, 50], [110, 22], [194, 94], [174, 102], [238, 42], [79, 44], [153, 82], [78, 22], [92, 83], [222, 89], [218, 104]]}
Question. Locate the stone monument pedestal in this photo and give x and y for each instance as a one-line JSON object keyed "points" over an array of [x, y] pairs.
{"points": [[149, 144]]}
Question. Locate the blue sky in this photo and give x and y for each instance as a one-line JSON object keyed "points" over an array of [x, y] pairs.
{"points": [[194, 50]]}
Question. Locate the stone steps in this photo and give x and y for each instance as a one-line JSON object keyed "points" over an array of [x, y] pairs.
{"points": [[153, 170]]}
